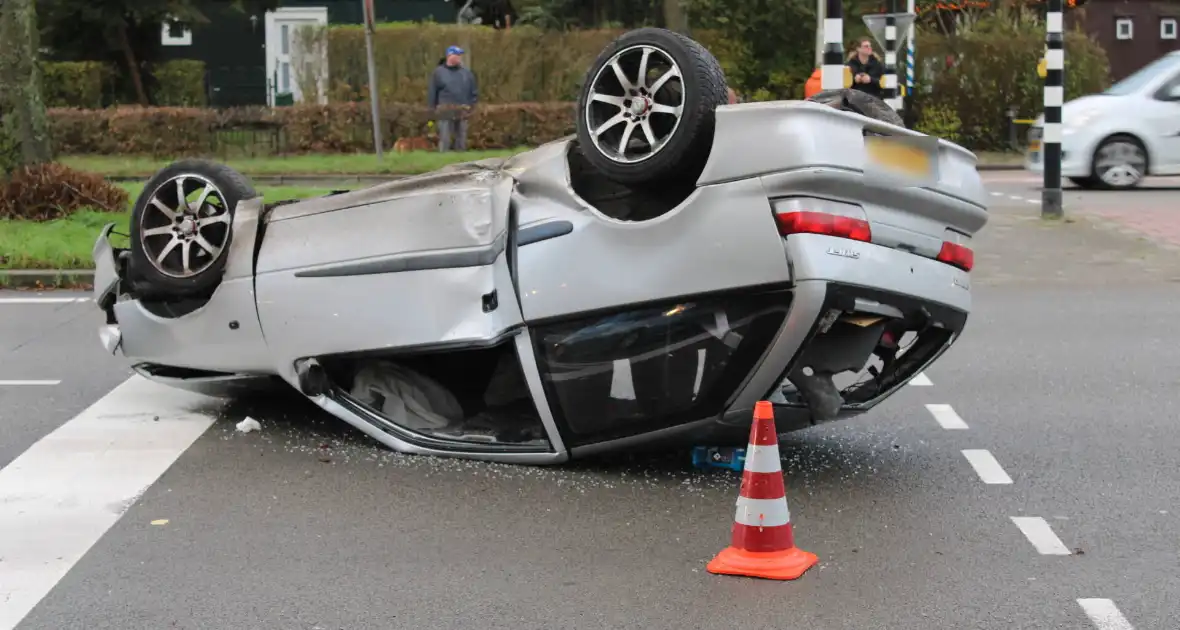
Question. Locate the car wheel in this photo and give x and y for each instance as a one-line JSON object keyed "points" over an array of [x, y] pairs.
{"points": [[859, 102], [646, 110], [1120, 162], [181, 227]]}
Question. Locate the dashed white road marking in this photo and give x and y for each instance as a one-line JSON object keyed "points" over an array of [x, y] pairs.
{"points": [[986, 466], [1104, 614], [1033, 201], [43, 300], [1040, 534], [997, 194], [921, 380], [946, 417], [60, 496], [24, 383], [1015, 198]]}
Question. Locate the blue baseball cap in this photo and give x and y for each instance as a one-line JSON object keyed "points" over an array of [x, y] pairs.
{"points": [[454, 50]]}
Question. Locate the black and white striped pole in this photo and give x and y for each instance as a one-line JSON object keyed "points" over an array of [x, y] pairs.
{"points": [[1051, 206], [890, 91], [832, 76]]}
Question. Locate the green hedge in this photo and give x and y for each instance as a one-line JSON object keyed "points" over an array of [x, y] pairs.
{"points": [[180, 83], [88, 84], [75, 83]]}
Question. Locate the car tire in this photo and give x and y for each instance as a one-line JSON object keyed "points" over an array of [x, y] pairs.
{"points": [[171, 240], [611, 114], [1127, 166], [859, 102]]}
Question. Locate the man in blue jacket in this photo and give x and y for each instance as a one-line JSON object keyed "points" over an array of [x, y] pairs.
{"points": [[453, 87]]}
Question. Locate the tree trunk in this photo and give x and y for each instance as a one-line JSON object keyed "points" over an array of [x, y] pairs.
{"points": [[132, 64], [24, 130], [674, 18]]}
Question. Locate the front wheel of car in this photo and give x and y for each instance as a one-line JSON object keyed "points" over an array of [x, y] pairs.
{"points": [[181, 228], [646, 110], [1119, 162]]}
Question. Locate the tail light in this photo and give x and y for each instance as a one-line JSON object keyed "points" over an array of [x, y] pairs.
{"points": [[957, 256], [799, 215]]}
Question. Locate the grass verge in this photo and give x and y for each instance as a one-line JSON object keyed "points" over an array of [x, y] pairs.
{"points": [[410, 163], [67, 243]]}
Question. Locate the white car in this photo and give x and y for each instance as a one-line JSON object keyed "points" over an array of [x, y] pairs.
{"points": [[1114, 139]]}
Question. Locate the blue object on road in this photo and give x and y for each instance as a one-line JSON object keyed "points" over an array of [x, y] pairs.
{"points": [[718, 457]]}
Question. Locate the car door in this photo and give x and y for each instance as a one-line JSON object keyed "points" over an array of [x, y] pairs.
{"points": [[1163, 120]]}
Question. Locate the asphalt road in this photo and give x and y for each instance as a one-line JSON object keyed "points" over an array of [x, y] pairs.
{"points": [[1063, 509]]}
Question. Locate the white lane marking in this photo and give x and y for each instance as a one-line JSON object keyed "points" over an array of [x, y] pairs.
{"points": [[946, 417], [986, 466], [921, 380], [1015, 198], [997, 194], [1033, 201], [60, 496], [22, 383], [1040, 534], [42, 300], [1104, 614]]}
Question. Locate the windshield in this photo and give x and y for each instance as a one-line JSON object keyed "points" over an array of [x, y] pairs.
{"points": [[1145, 75]]}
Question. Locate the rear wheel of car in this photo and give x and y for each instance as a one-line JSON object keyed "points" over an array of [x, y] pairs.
{"points": [[859, 102], [181, 228], [1119, 162], [646, 110]]}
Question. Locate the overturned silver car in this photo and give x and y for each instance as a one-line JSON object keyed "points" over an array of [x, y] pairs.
{"points": [[649, 279]]}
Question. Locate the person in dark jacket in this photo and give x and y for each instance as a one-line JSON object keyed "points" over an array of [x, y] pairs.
{"points": [[453, 87], [866, 68]]}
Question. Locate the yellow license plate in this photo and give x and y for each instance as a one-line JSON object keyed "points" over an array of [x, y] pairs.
{"points": [[899, 156], [1035, 145]]}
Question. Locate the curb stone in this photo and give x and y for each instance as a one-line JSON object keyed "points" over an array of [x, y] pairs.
{"points": [[47, 279]]}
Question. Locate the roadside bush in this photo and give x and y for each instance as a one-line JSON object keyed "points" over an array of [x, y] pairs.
{"points": [[180, 83], [74, 83], [992, 67], [304, 128], [44, 192]]}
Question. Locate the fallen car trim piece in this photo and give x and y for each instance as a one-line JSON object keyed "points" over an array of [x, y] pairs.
{"points": [[474, 257]]}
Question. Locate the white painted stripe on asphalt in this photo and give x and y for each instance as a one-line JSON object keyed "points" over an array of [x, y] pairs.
{"points": [[997, 194], [763, 459], [1104, 614], [1040, 534], [986, 466], [60, 496], [23, 383], [42, 300], [762, 512], [921, 380], [946, 417]]}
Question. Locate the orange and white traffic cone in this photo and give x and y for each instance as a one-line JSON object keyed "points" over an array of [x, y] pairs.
{"points": [[763, 543]]}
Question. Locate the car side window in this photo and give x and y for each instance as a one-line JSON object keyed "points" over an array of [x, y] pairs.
{"points": [[1170, 91]]}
